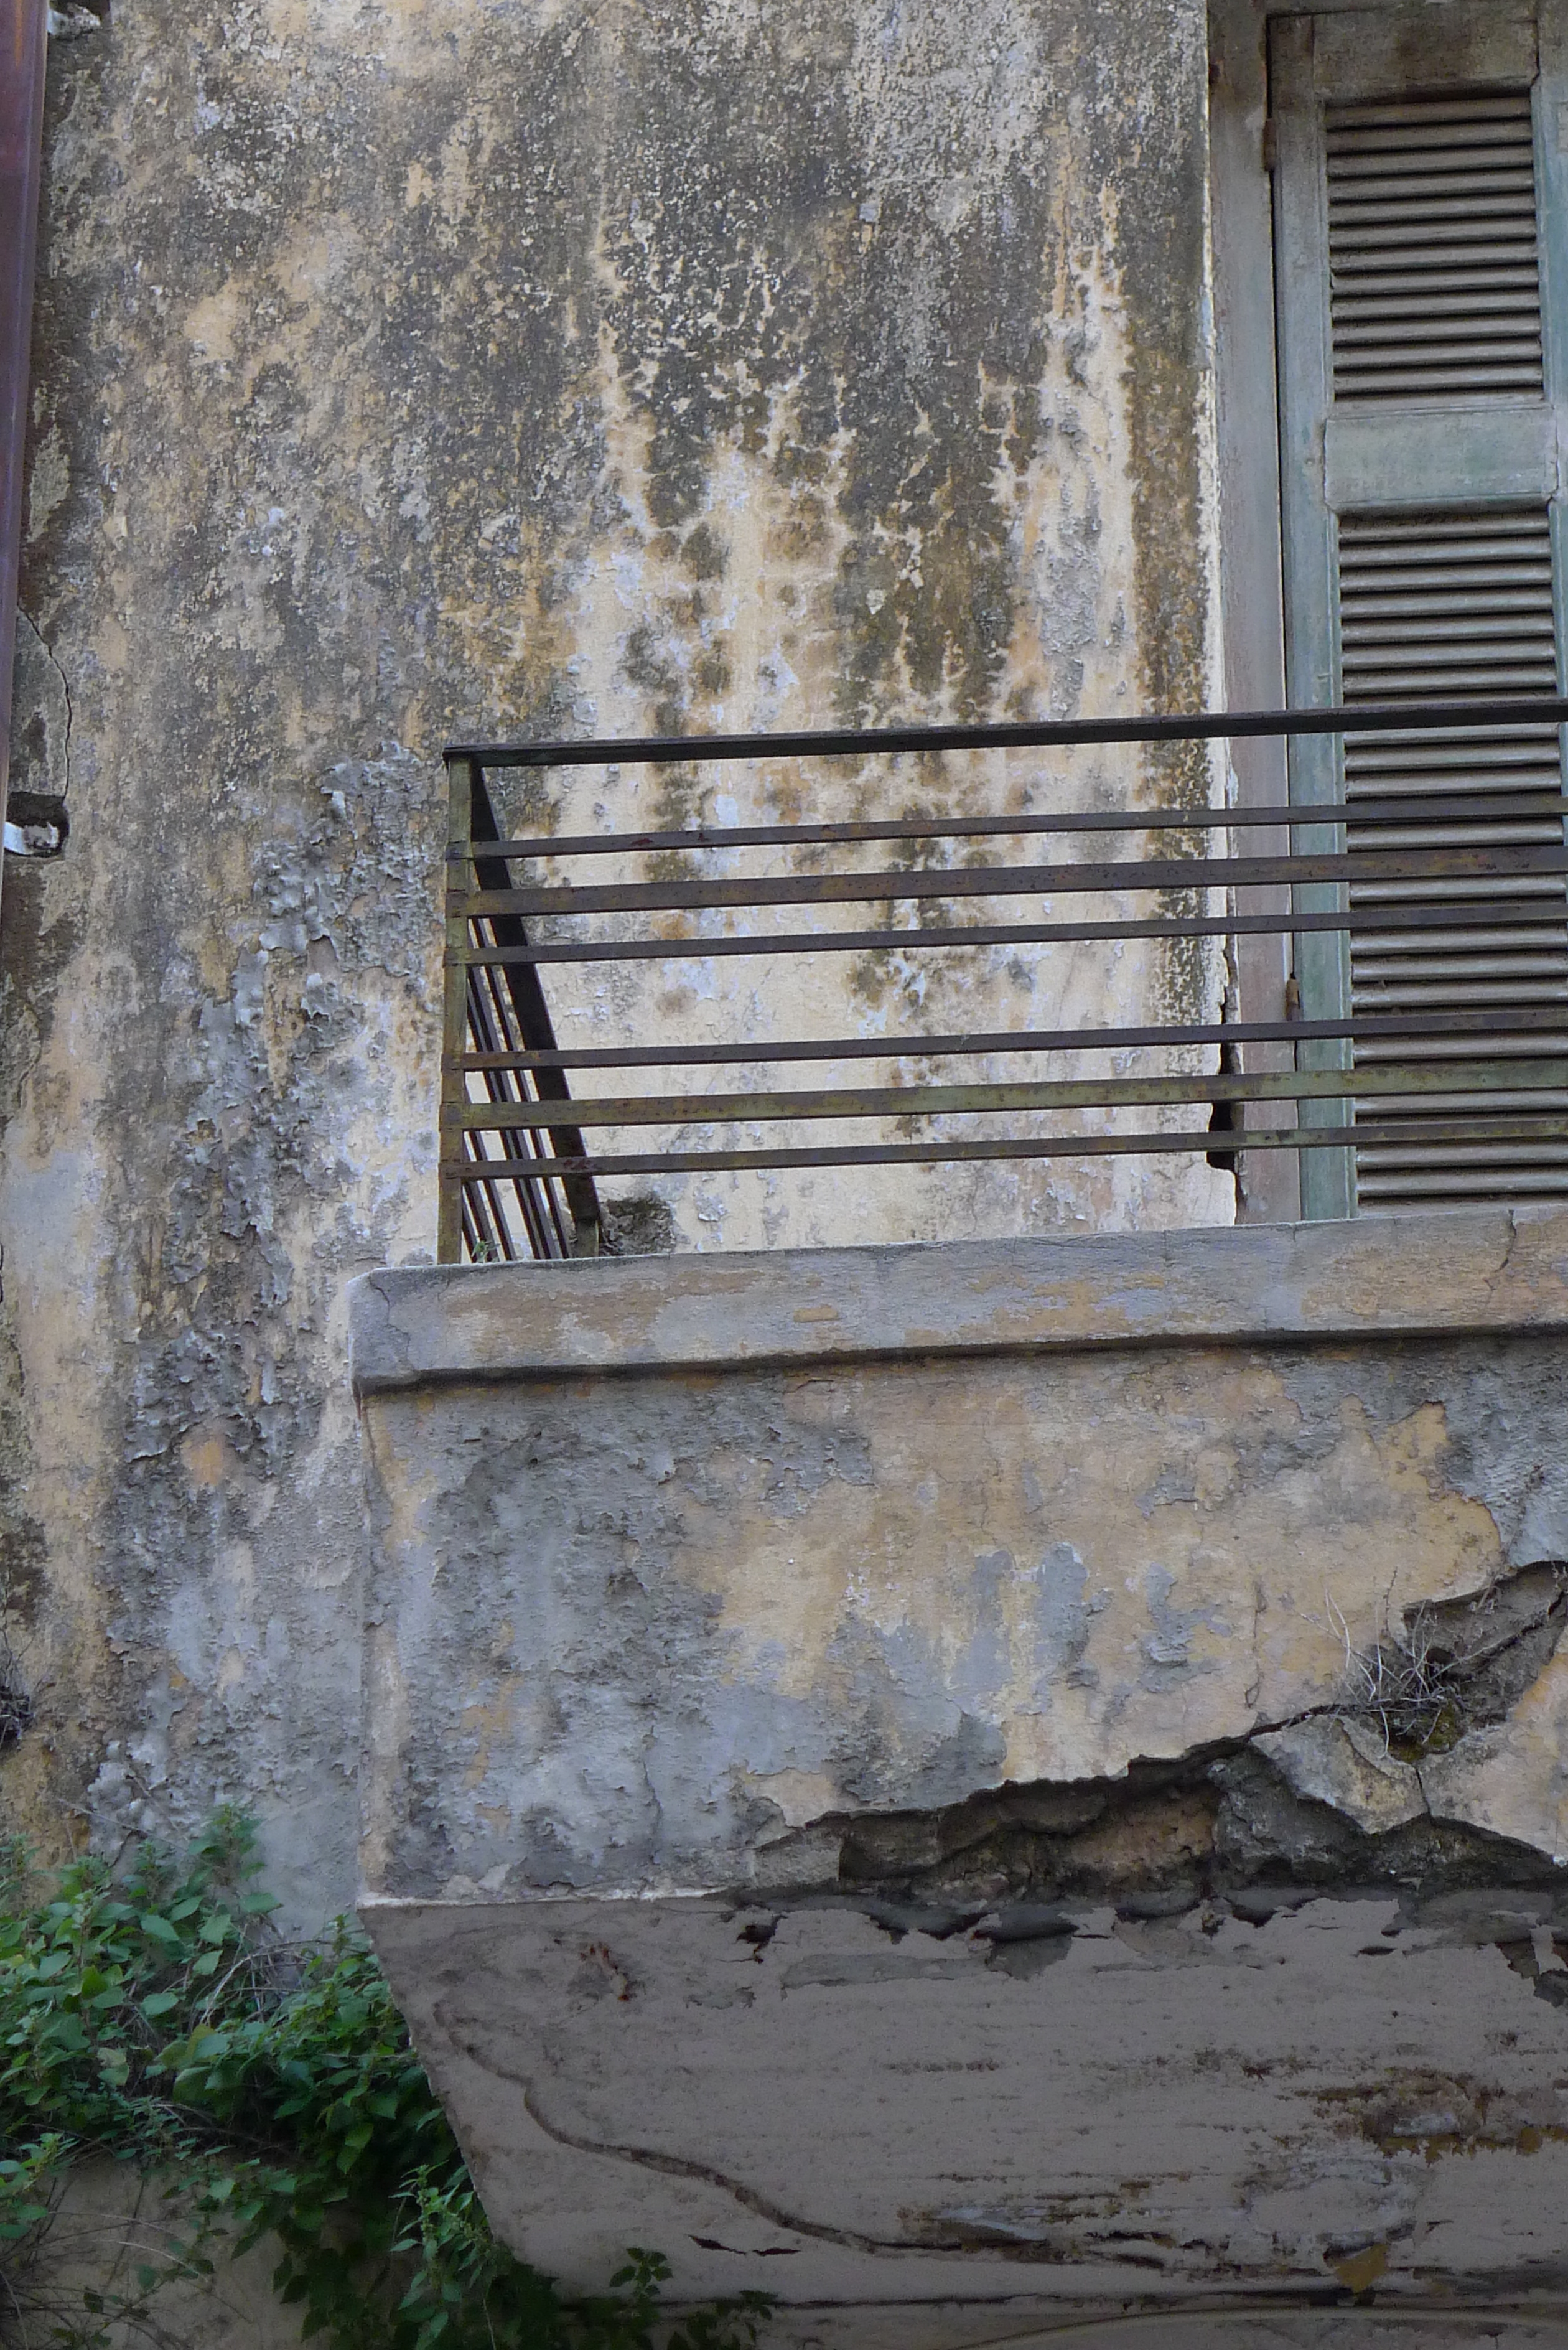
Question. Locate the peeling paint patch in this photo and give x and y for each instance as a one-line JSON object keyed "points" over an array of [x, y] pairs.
{"points": [[531, 371], [907, 1581]]}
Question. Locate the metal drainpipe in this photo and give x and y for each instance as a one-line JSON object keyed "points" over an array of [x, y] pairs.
{"points": [[24, 52]]}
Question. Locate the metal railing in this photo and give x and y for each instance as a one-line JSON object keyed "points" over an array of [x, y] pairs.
{"points": [[520, 1156]]}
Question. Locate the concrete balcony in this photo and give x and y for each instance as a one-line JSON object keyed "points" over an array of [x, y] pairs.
{"points": [[981, 1785]]}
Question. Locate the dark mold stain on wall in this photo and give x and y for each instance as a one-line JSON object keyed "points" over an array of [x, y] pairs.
{"points": [[366, 345]]}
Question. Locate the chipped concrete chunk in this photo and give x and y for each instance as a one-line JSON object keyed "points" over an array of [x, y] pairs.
{"points": [[1510, 1777], [1331, 1760]]}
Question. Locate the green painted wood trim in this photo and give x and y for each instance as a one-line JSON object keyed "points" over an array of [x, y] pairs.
{"points": [[1552, 181], [1321, 959]]}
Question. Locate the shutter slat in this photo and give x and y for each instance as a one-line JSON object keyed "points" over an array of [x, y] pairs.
{"points": [[1397, 995], [1531, 1045], [1433, 264], [1410, 159], [1366, 120], [1486, 564], [1455, 1106], [1445, 604], [1408, 276], [1514, 890], [1474, 198], [1451, 385], [1475, 835], [1378, 682], [1438, 607], [1519, 636], [1385, 328], [1362, 244], [1407, 345], [1381, 621], [1486, 302], [1441, 968]]}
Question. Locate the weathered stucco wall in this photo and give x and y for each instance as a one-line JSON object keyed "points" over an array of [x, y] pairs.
{"points": [[903, 1764], [404, 371], [673, 1561]]}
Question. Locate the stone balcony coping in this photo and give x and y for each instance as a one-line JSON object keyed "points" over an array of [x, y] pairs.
{"points": [[1424, 1274]]}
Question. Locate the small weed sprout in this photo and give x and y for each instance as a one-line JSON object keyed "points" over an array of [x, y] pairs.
{"points": [[1407, 1682]]}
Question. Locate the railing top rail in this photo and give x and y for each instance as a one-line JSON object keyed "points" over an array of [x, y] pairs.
{"points": [[1028, 734], [1422, 904]]}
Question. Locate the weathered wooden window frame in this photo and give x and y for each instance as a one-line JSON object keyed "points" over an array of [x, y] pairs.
{"points": [[1253, 499], [1252, 578]]}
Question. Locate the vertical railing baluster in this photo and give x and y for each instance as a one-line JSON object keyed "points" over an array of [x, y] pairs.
{"points": [[462, 775], [577, 1219]]}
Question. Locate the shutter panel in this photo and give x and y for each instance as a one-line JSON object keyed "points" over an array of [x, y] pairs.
{"points": [[1434, 278], [1454, 604], [1420, 488]]}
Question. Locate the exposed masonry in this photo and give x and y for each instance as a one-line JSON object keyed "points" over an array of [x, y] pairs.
{"points": [[1241, 1825]]}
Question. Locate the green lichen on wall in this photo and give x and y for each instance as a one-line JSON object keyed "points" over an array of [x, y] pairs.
{"points": [[404, 372]]}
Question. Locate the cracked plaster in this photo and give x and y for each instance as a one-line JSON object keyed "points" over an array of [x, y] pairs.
{"points": [[401, 374], [619, 1609], [896, 1810]]}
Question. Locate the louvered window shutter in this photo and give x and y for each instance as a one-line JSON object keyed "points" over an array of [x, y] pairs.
{"points": [[1419, 216]]}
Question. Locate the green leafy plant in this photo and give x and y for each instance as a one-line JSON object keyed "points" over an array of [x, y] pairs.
{"points": [[149, 2012]]}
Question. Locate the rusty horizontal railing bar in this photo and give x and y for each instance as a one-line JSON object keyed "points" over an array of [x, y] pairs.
{"points": [[1527, 1132], [1484, 853], [1133, 875], [1027, 734], [990, 934], [1444, 1077], [1202, 819], [1360, 1028], [1456, 810]]}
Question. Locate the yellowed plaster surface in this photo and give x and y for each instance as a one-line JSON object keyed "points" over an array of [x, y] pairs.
{"points": [[955, 1796], [1199, 1600], [403, 373], [640, 1627]]}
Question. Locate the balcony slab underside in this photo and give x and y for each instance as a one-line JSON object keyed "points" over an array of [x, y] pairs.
{"points": [[977, 1785]]}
